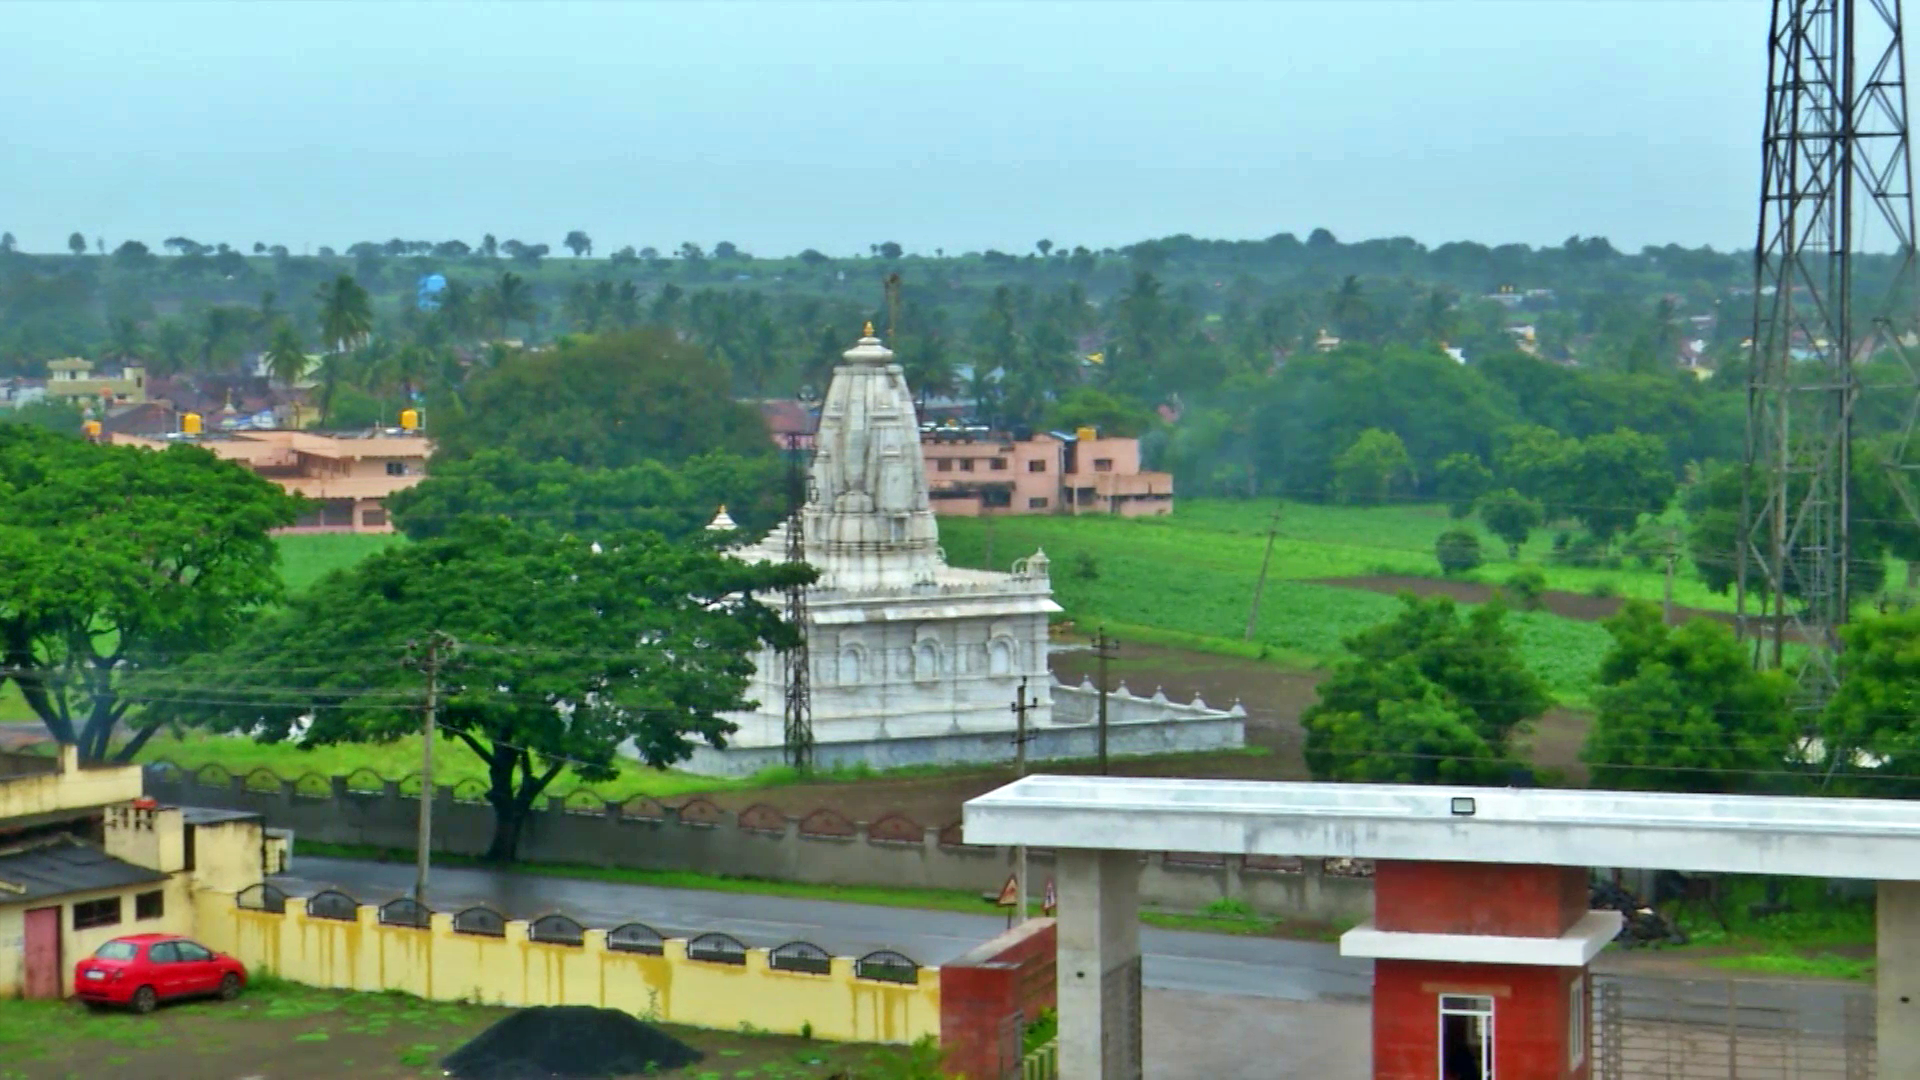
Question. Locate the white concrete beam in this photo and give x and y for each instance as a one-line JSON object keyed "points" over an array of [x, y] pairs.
{"points": [[1575, 948], [1872, 839]]}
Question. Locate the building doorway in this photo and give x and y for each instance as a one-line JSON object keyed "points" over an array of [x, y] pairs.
{"points": [[1466, 1037], [43, 952]]}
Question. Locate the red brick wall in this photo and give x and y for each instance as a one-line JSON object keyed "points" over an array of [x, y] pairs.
{"points": [[1530, 1023], [1012, 975], [1478, 898]]}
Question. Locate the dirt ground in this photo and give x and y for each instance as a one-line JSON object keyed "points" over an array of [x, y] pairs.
{"points": [[297, 1033]]}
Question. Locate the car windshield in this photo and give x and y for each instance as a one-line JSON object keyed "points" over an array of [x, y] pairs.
{"points": [[117, 950]]}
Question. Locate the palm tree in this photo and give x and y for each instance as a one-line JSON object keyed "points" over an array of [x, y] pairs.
{"points": [[1349, 310], [286, 356], [509, 299], [124, 340], [172, 343], [218, 344], [346, 313]]}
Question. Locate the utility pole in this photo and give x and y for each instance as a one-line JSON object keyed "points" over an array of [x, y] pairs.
{"points": [[799, 711], [1666, 604], [1021, 703], [892, 284], [1103, 648], [428, 656], [1260, 586]]}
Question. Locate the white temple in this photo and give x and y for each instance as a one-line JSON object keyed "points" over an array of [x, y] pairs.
{"points": [[913, 661]]}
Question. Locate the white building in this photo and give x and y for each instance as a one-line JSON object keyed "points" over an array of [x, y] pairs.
{"points": [[915, 661]]}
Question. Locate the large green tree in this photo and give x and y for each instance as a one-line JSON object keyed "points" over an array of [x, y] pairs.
{"points": [[1873, 722], [603, 402], [1618, 477], [1512, 517], [1682, 709], [1451, 692], [564, 650], [119, 563], [675, 501], [1367, 471]]}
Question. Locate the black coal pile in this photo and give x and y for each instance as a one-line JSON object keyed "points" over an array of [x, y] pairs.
{"points": [[568, 1042], [1643, 926]]}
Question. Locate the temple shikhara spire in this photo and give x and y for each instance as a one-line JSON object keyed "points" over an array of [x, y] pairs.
{"points": [[913, 660]]}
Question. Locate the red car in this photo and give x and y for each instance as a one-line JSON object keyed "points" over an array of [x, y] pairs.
{"points": [[142, 970]]}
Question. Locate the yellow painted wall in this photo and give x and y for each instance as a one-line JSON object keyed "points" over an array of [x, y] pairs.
{"points": [[439, 964], [227, 856], [147, 836], [176, 918], [72, 788]]}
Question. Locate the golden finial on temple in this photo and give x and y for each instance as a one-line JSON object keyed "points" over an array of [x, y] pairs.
{"points": [[869, 330]]}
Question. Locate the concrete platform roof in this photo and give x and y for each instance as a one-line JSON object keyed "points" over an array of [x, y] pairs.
{"points": [[1851, 838]]}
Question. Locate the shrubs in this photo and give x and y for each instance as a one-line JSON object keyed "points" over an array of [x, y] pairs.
{"points": [[1583, 550], [1458, 551], [1526, 588]]}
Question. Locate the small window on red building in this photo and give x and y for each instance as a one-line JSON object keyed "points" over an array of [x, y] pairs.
{"points": [[1037, 465], [966, 464], [999, 464], [1576, 1021], [943, 464], [1466, 1037], [1103, 464], [1037, 502]]}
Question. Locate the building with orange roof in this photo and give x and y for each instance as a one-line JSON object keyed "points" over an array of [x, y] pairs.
{"points": [[348, 476]]}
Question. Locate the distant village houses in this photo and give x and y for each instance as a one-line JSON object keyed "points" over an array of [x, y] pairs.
{"points": [[347, 475], [975, 471]]}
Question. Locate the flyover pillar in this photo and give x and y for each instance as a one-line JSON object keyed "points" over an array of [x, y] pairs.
{"points": [[1099, 964], [1897, 978]]}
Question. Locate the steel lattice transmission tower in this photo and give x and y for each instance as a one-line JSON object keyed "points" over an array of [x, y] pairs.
{"points": [[1836, 181], [799, 712]]}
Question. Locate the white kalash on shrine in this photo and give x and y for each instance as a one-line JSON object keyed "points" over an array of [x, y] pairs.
{"points": [[915, 661]]}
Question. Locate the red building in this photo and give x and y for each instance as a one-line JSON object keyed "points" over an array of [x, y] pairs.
{"points": [[1481, 937]]}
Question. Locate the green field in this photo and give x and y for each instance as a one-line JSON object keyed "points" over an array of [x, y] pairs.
{"points": [[306, 558], [1188, 578]]}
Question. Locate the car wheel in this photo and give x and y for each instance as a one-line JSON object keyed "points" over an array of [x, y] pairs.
{"points": [[229, 986], [145, 1000]]}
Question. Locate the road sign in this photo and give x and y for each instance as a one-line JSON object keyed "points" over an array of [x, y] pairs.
{"points": [[1010, 892]]}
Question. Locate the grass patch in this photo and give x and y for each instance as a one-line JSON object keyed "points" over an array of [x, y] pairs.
{"points": [[1797, 965], [307, 557], [1186, 580], [1814, 919], [296, 1032]]}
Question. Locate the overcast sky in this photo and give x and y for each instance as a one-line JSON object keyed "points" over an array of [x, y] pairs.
{"points": [[787, 125]]}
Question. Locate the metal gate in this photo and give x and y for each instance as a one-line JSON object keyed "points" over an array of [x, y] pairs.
{"points": [[1685, 1029]]}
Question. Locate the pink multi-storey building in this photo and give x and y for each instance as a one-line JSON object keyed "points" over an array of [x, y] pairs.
{"points": [[972, 472]]}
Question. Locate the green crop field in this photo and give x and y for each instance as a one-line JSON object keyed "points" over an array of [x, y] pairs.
{"points": [[307, 557], [1190, 577]]}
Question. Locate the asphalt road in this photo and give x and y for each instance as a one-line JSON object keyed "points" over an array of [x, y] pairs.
{"points": [[1214, 964], [1211, 963]]}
